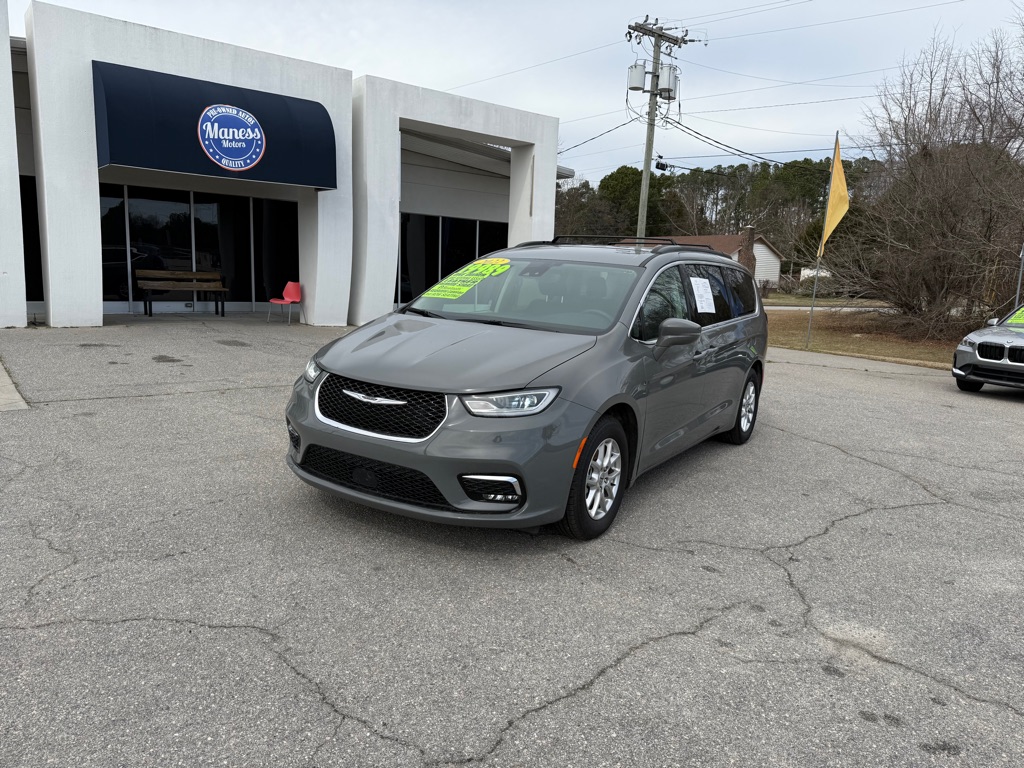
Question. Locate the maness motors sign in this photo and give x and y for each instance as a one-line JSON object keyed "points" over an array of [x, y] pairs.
{"points": [[231, 137]]}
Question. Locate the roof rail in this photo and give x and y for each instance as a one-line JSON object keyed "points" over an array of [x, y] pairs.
{"points": [[528, 243], [677, 247], [620, 239]]}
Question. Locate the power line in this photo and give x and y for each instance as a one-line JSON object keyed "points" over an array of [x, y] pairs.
{"points": [[597, 137], [534, 66], [716, 143], [764, 88], [765, 130], [778, 7], [791, 82], [838, 21], [789, 104], [733, 109], [767, 152], [603, 152]]}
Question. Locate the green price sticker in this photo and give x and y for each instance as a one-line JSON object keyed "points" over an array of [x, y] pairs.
{"points": [[1017, 318], [459, 282]]}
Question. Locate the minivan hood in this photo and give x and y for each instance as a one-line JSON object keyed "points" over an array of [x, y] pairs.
{"points": [[415, 352]]}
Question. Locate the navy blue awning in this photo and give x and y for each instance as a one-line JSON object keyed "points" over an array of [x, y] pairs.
{"points": [[148, 119]]}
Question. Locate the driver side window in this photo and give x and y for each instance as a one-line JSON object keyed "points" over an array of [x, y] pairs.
{"points": [[666, 298]]}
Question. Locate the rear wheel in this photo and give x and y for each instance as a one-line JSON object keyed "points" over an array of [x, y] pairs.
{"points": [[969, 386], [746, 416], [598, 483]]}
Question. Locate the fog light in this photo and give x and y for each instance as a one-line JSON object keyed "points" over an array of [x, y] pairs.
{"points": [[497, 489], [293, 436], [501, 497]]}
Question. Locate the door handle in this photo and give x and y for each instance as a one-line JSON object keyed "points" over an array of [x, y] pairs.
{"points": [[703, 352]]}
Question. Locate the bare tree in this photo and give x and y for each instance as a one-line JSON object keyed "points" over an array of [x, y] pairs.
{"points": [[940, 236]]}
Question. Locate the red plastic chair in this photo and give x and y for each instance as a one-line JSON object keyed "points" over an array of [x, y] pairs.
{"points": [[292, 294]]}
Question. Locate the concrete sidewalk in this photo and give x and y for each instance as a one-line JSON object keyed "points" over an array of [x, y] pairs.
{"points": [[10, 398]]}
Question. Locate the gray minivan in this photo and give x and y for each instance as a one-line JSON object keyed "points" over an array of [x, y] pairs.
{"points": [[534, 386]]}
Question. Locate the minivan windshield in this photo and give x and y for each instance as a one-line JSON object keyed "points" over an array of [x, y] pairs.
{"points": [[546, 294]]}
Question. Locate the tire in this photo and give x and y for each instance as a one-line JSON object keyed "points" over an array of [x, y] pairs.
{"points": [[746, 414], [598, 482], [969, 386]]}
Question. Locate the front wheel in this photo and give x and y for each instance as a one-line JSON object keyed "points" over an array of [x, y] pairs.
{"points": [[969, 386], [598, 482], [746, 416]]}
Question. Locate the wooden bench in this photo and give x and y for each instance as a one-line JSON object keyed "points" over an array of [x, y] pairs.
{"points": [[150, 280]]}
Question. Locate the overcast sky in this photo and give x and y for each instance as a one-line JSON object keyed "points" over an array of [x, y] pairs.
{"points": [[731, 89]]}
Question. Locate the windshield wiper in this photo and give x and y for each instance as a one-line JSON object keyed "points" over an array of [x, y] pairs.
{"points": [[492, 321], [423, 312]]}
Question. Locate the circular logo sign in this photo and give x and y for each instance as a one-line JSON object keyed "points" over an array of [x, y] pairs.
{"points": [[231, 137]]}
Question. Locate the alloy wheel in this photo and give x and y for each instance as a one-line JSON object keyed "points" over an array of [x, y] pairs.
{"points": [[748, 407], [603, 478]]}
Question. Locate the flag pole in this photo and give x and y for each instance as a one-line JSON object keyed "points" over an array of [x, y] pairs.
{"points": [[821, 245], [1020, 275]]}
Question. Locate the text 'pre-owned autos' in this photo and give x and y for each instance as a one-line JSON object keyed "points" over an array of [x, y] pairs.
{"points": [[534, 386]]}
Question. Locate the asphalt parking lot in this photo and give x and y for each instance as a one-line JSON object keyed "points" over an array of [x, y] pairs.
{"points": [[845, 590]]}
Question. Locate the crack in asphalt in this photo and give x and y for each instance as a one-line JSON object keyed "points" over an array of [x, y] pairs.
{"points": [[123, 397], [771, 555], [907, 476], [341, 714], [37, 535], [74, 620], [916, 481], [270, 634], [935, 460], [685, 543], [585, 686], [809, 624]]}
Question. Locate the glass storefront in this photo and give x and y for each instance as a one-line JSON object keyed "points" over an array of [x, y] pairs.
{"points": [[253, 243], [435, 246], [30, 231]]}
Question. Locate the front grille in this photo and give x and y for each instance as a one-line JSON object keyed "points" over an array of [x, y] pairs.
{"points": [[998, 374], [987, 351], [377, 478], [418, 416], [1015, 354]]}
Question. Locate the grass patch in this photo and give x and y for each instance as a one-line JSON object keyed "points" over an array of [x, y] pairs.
{"points": [[862, 334], [794, 300]]}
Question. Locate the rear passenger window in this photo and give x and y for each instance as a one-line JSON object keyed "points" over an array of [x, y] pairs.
{"points": [[711, 297], [743, 291], [666, 298]]}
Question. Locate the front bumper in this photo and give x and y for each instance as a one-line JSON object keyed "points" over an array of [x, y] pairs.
{"points": [[968, 366], [538, 450]]}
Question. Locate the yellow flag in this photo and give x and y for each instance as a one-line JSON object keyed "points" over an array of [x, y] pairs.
{"points": [[838, 198]]}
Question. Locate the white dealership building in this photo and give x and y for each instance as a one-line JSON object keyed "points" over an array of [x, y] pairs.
{"points": [[125, 147]]}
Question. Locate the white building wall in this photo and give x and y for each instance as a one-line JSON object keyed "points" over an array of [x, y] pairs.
{"points": [[61, 45], [768, 265], [12, 249], [380, 109]]}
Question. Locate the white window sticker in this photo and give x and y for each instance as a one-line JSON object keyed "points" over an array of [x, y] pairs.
{"points": [[702, 293]]}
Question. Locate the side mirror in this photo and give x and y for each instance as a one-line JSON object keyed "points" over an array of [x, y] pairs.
{"points": [[674, 331], [992, 321]]}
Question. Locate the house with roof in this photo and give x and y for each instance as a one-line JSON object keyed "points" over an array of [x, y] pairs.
{"points": [[748, 248]]}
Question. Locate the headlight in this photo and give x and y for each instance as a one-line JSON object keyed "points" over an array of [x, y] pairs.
{"points": [[312, 371], [523, 403], [968, 342]]}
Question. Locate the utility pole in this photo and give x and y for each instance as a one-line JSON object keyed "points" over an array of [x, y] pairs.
{"points": [[658, 89]]}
